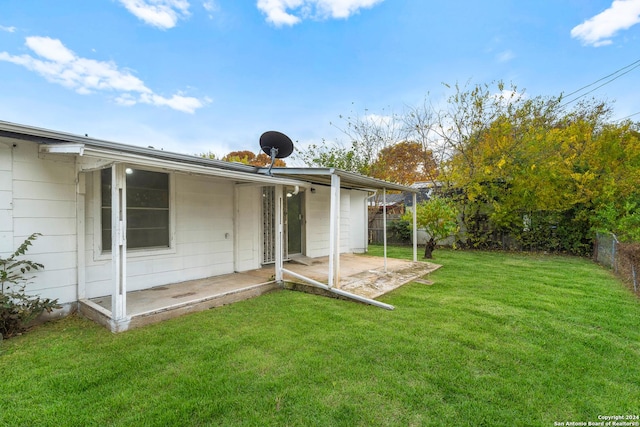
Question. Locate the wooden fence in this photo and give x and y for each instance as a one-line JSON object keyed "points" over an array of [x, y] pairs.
{"points": [[376, 230]]}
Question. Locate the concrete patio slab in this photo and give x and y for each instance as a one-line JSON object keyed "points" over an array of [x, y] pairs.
{"points": [[360, 274]]}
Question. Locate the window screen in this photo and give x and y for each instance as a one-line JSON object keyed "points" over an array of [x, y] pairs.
{"points": [[147, 209]]}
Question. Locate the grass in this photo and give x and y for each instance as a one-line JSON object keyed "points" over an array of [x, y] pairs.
{"points": [[499, 339]]}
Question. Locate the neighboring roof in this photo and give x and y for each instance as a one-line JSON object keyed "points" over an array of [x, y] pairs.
{"points": [[422, 196], [426, 184], [287, 176], [352, 180], [390, 199]]}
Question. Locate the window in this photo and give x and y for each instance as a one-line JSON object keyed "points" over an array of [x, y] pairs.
{"points": [[147, 209]]}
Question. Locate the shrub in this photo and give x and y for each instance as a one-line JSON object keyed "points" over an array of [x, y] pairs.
{"points": [[17, 308], [631, 257], [400, 230]]}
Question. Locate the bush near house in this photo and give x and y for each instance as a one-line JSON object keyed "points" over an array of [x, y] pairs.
{"points": [[629, 263], [399, 231], [17, 308]]}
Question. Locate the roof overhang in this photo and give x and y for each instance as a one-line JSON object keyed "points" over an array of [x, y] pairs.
{"points": [[322, 176], [94, 153], [84, 147], [52, 138]]}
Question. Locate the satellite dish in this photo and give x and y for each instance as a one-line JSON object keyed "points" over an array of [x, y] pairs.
{"points": [[277, 145], [276, 140]]}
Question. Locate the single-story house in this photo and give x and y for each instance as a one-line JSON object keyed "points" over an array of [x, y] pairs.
{"points": [[118, 218]]}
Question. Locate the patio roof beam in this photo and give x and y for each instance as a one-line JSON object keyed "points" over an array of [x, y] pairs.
{"points": [[263, 184], [279, 243], [334, 232], [339, 291], [384, 226], [118, 245], [415, 228], [349, 179]]}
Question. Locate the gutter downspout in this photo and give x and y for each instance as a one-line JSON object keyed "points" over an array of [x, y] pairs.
{"points": [[334, 232], [80, 234], [374, 210], [279, 230]]}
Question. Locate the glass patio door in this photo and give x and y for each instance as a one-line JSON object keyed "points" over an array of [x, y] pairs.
{"points": [[293, 227], [295, 223]]}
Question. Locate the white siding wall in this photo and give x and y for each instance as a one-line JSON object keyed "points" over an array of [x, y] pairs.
{"points": [[352, 221], [6, 198], [358, 214], [203, 235], [248, 228], [317, 227], [44, 201], [345, 220]]}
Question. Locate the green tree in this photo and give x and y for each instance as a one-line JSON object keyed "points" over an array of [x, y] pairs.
{"points": [[246, 157], [617, 199], [536, 170], [421, 126], [249, 158], [332, 156], [405, 162], [543, 172], [366, 135], [438, 216]]}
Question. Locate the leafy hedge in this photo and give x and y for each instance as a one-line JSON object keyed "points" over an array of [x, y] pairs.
{"points": [[555, 232]]}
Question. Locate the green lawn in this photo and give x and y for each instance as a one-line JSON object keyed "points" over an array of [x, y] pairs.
{"points": [[499, 339]]}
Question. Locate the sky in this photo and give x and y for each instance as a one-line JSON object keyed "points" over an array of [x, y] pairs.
{"points": [[197, 76]]}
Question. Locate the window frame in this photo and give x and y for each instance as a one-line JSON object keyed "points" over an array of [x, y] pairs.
{"points": [[101, 253]]}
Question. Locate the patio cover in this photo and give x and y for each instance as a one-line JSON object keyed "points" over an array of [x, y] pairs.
{"points": [[338, 179]]}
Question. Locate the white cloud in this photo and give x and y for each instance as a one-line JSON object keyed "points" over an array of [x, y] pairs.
{"points": [[186, 104], [163, 14], [278, 11], [8, 29], [379, 119], [60, 65], [505, 56], [211, 6], [598, 30], [507, 97], [51, 49]]}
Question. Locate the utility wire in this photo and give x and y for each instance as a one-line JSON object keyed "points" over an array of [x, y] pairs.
{"points": [[605, 77], [633, 66], [630, 115]]}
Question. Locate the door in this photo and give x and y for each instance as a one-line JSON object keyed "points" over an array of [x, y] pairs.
{"points": [[293, 227], [268, 225], [295, 223]]}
